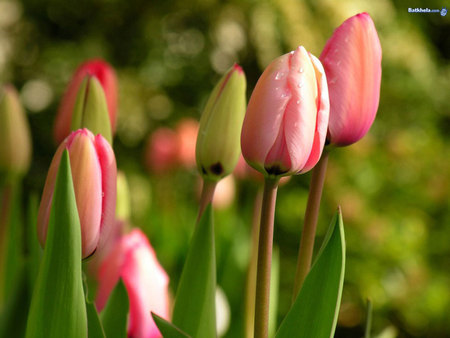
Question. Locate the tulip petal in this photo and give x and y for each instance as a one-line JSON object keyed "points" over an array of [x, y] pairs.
{"points": [[323, 112], [265, 112], [301, 111], [108, 168], [87, 180], [352, 62]]}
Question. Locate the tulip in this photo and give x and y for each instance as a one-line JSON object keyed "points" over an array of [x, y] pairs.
{"points": [[217, 149], [187, 130], [93, 69], [161, 152], [94, 175], [134, 260], [15, 138], [286, 121], [352, 63]]}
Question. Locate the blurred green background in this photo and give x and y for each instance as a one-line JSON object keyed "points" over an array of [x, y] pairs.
{"points": [[393, 185]]}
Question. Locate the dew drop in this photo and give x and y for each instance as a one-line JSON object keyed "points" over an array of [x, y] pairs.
{"points": [[298, 102], [300, 85], [277, 88], [279, 75], [292, 52], [300, 70], [284, 95]]}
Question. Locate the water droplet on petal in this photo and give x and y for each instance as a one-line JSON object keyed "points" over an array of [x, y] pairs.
{"points": [[292, 52], [300, 70], [300, 85], [298, 102], [284, 95], [279, 75]]}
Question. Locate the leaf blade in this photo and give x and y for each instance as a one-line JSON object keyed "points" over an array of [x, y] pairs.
{"points": [[316, 308], [59, 289], [114, 315], [194, 309]]}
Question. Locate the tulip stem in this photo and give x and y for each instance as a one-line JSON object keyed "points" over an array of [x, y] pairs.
{"points": [[262, 296], [206, 197], [310, 223], [251, 272]]}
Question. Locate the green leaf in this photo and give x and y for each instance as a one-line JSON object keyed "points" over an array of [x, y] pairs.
{"points": [[168, 330], [368, 319], [194, 309], [114, 315], [315, 310], [95, 328], [58, 306]]}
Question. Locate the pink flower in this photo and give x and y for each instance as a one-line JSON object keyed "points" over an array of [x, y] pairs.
{"points": [[94, 175], [286, 121], [134, 260], [187, 130], [352, 62], [161, 153], [107, 78]]}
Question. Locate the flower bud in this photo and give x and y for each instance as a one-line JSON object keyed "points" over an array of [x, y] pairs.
{"points": [[15, 138], [105, 75], [286, 121], [217, 148], [90, 110], [134, 260], [94, 175], [352, 62]]}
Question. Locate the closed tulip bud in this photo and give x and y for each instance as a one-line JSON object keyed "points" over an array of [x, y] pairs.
{"points": [[352, 62], [134, 260], [92, 101], [15, 138], [286, 121], [217, 148], [94, 175]]}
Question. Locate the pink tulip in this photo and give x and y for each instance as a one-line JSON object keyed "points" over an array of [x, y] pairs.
{"points": [[187, 130], [107, 78], [287, 116], [352, 62], [94, 174], [161, 153], [134, 260]]}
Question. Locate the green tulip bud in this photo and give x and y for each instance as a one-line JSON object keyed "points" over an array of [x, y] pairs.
{"points": [[218, 140], [15, 137], [91, 109]]}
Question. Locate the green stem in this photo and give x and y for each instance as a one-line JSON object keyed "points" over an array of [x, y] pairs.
{"points": [[368, 319], [251, 273], [206, 197], [265, 258], [310, 224]]}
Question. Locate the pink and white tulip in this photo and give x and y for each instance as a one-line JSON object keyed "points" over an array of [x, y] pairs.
{"points": [[133, 259], [94, 174], [352, 61], [287, 116], [106, 76]]}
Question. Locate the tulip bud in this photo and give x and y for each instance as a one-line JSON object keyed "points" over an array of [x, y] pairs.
{"points": [[94, 175], [15, 138], [286, 121], [134, 260], [352, 62], [105, 75], [90, 110], [217, 149]]}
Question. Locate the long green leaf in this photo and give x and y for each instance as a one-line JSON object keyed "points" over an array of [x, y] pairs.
{"points": [[58, 306], [315, 310], [114, 315], [194, 310], [168, 330], [95, 328]]}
